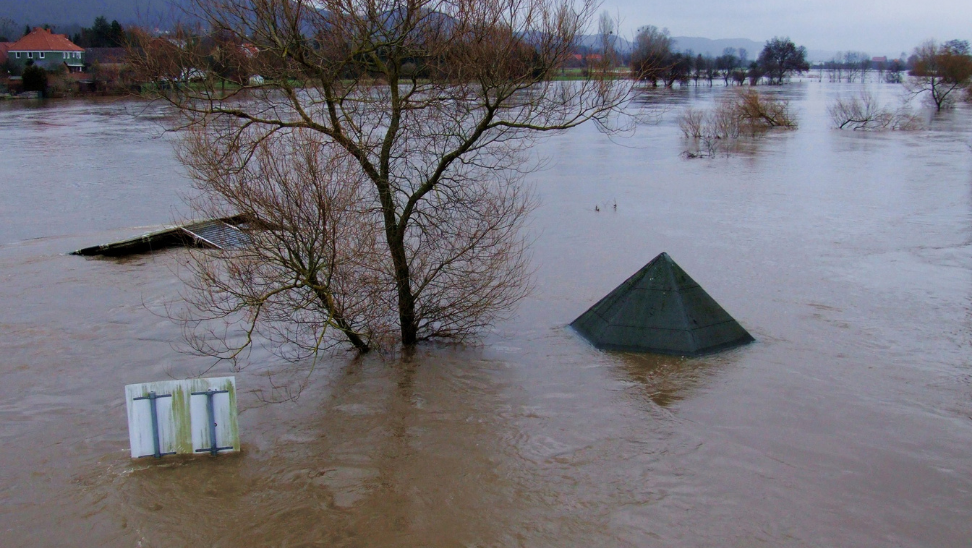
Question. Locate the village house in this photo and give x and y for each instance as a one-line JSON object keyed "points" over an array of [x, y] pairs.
{"points": [[47, 50]]}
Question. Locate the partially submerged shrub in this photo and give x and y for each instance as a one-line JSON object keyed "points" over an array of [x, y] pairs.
{"points": [[724, 121], [693, 122], [864, 113], [760, 112], [746, 112]]}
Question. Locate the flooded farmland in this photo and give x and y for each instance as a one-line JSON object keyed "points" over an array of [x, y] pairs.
{"points": [[847, 255]]}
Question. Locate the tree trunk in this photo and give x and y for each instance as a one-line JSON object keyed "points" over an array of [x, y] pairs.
{"points": [[395, 237], [406, 300]]}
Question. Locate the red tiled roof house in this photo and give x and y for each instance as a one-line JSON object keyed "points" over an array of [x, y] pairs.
{"points": [[47, 50]]}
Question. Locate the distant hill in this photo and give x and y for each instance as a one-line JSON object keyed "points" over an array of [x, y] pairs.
{"points": [[62, 13], [592, 42], [820, 55]]}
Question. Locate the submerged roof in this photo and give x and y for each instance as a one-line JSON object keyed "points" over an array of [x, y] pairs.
{"points": [[41, 39], [660, 309], [224, 233]]}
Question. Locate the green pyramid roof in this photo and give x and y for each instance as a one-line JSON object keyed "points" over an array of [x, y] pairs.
{"points": [[661, 310]]}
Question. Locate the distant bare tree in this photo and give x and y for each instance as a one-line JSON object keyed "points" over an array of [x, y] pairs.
{"points": [[940, 70], [855, 65], [8, 30], [727, 63], [781, 57], [850, 62], [864, 65], [678, 69], [755, 73], [382, 154], [835, 67], [607, 33], [652, 53], [739, 76]]}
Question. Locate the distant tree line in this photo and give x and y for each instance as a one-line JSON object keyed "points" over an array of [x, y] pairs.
{"points": [[854, 66], [654, 61], [101, 34], [938, 70]]}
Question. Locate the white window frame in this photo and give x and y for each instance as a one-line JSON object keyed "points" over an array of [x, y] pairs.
{"points": [[18, 54], [30, 55], [41, 54]]}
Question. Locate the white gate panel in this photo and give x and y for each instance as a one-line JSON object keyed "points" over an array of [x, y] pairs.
{"points": [[184, 422]]}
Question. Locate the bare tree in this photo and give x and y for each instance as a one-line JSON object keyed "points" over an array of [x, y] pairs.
{"points": [[727, 63], [413, 118], [651, 55], [781, 57], [850, 62], [835, 67], [8, 30], [856, 64], [607, 27], [940, 70], [739, 76], [863, 65], [756, 73], [864, 113]]}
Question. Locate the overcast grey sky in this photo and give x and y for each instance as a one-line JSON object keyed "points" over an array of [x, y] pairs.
{"points": [[877, 27]]}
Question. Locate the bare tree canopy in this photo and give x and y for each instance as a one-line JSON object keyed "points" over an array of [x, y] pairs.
{"points": [[940, 70], [381, 150], [864, 113], [781, 57]]}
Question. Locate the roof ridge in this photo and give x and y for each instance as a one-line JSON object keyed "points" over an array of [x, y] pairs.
{"points": [[41, 39], [686, 321]]}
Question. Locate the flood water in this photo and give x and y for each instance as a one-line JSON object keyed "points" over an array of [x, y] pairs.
{"points": [[848, 423]]}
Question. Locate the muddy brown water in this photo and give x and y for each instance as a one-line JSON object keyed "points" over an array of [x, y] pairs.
{"points": [[849, 422]]}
